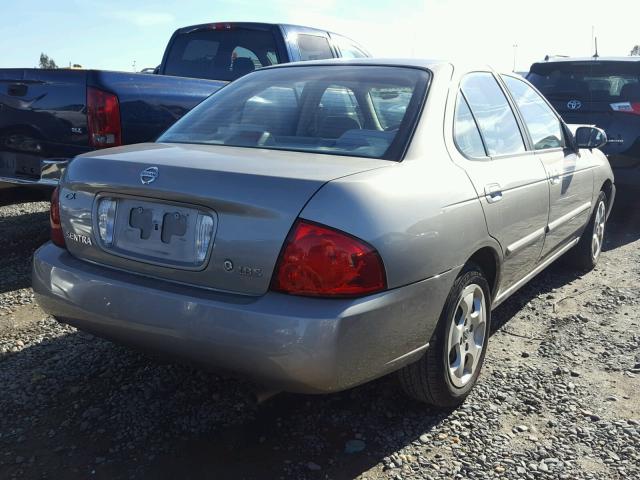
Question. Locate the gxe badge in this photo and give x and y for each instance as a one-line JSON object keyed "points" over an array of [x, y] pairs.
{"points": [[149, 175], [574, 104]]}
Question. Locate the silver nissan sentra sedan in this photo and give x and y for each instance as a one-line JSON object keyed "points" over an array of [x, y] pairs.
{"points": [[314, 226]]}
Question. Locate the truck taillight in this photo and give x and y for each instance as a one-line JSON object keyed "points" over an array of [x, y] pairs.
{"points": [[322, 262], [103, 118], [57, 237], [626, 107]]}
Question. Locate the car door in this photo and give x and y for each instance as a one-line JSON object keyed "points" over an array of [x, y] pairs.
{"points": [[570, 175], [510, 180]]}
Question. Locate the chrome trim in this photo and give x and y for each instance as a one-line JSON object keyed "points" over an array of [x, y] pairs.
{"points": [[568, 216], [502, 296], [525, 241], [50, 173], [409, 354], [45, 182]]}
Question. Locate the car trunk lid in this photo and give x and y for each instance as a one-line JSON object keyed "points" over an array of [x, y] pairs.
{"points": [[252, 196]]}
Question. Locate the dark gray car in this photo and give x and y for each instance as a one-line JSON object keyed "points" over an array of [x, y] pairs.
{"points": [[316, 226]]}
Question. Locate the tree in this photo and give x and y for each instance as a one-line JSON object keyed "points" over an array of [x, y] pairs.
{"points": [[636, 50], [46, 62]]}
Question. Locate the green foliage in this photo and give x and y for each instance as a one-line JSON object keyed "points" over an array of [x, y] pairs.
{"points": [[46, 62]]}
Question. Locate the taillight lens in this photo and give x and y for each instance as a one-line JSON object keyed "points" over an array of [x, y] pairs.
{"points": [[57, 237], [323, 262], [103, 119], [204, 232], [106, 220], [626, 107]]}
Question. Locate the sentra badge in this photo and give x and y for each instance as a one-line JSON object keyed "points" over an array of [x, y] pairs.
{"points": [[79, 238]]}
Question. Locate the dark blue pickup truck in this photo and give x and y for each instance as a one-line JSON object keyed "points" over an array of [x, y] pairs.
{"points": [[49, 116]]}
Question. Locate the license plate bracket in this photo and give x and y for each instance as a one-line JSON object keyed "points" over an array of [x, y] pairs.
{"points": [[158, 233]]}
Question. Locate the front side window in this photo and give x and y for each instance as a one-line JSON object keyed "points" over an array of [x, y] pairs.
{"points": [[312, 109], [493, 113], [543, 125], [465, 131], [314, 47]]}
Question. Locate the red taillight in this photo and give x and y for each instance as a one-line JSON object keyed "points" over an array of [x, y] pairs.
{"points": [[322, 262], [57, 237], [626, 107], [103, 119]]}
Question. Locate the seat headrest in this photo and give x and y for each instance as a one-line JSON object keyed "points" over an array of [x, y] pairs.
{"points": [[243, 65], [631, 91]]}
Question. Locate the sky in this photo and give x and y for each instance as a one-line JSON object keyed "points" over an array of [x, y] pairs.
{"points": [[113, 34]]}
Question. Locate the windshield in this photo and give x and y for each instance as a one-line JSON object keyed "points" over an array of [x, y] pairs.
{"points": [[365, 111], [220, 54], [587, 81]]}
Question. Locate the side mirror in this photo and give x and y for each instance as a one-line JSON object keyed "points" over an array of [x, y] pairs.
{"points": [[590, 137]]}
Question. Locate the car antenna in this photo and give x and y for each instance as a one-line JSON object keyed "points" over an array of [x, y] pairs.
{"points": [[595, 55]]}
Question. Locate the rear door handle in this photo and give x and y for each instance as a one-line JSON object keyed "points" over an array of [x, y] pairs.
{"points": [[493, 192], [554, 176]]}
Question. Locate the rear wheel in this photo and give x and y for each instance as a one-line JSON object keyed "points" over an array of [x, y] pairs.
{"points": [[586, 253], [450, 367]]}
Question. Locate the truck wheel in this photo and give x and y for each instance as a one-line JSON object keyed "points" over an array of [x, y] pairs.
{"points": [[586, 253], [450, 367]]}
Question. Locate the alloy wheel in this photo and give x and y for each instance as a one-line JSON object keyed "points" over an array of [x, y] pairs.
{"points": [[466, 336]]}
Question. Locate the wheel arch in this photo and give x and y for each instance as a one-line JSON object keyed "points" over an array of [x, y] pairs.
{"points": [[488, 260]]}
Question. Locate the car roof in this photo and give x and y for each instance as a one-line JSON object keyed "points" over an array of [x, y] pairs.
{"points": [[254, 25], [590, 59], [429, 64]]}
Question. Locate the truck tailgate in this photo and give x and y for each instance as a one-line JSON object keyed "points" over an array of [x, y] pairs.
{"points": [[42, 118]]}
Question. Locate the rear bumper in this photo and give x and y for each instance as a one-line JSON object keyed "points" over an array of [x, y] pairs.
{"points": [[282, 342], [48, 175]]}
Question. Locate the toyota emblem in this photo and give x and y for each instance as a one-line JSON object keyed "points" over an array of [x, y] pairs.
{"points": [[148, 175], [574, 104]]}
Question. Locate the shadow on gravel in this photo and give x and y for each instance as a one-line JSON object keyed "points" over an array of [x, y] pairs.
{"points": [[13, 195], [623, 226], [20, 236], [83, 407]]}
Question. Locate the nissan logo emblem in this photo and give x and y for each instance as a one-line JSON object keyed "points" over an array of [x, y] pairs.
{"points": [[574, 104], [148, 175]]}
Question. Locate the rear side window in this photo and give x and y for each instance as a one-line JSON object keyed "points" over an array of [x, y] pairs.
{"points": [[493, 113], [348, 49], [465, 131], [318, 109], [314, 47], [220, 54], [543, 125]]}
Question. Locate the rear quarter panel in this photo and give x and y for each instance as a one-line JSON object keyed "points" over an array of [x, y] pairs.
{"points": [[422, 214]]}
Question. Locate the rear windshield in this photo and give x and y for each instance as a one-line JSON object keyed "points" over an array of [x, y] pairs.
{"points": [[220, 54], [588, 81], [365, 111]]}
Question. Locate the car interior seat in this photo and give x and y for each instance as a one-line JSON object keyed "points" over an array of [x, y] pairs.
{"points": [[242, 66]]}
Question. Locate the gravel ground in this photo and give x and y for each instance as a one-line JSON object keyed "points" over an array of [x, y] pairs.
{"points": [[559, 397]]}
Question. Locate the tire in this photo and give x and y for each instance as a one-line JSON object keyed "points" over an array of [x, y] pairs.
{"points": [[431, 379], [586, 253]]}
